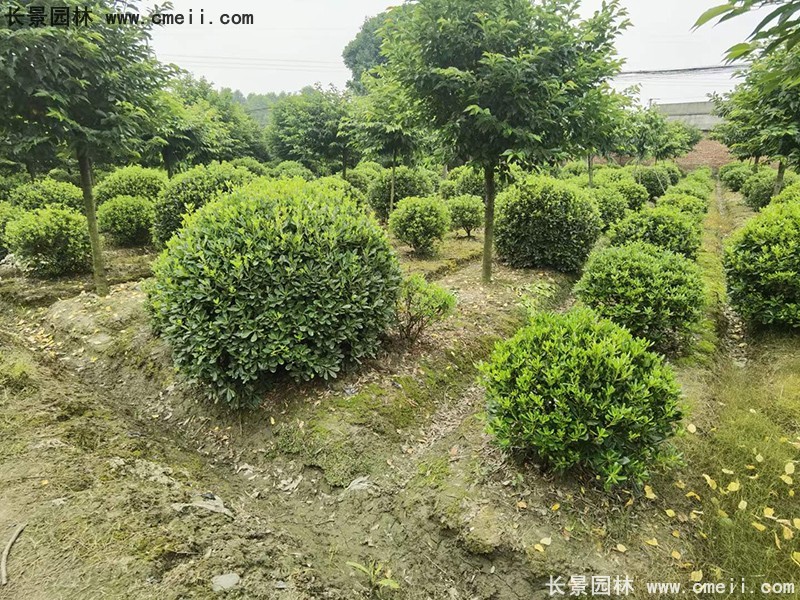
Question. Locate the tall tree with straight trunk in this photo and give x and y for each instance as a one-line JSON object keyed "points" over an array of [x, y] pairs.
{"points": [[86, 85], [500, 78]]}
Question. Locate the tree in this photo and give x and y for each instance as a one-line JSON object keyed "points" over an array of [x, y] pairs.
{"points": [[598, 124], [763, 112], [383, 122], [88, 87], [780, 29], [363, 53], [308, 127], [498, 78]]}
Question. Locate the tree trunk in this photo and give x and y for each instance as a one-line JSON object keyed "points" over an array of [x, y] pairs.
{"points": [[488, 231], [98, 268], [30, 169], [590, 166], [755, 163], [391, 189], [344, 163], [779, 179]]}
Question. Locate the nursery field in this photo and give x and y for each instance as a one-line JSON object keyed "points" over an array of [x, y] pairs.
{"points": [[382, 482]]}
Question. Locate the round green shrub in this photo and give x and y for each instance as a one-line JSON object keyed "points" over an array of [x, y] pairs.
{"points": [[8, 212], [574, 168], [612, 204], [257, 168], [467, 181], [655, 179], [408, 182], [575, 390], [362, 175], [190, 190], [759, 188], [131, 181], [655, 293], [343, 187], [733, 175], [420, 222], [581, 181], [545, 222], [51, 241], [762, 265], [685, 203], [662, 226], [636, 194], [690, 188], [466, 212], [291, 168], [282, 277], [127, 219], [605, 176], [789, 194], [420, 304], [58, 174], [9, 183], [47, 192], [674, 171]]}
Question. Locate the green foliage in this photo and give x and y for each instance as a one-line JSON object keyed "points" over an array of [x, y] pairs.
{"points": [[127, 219], [257, 168], [655, 179], [420, 222], [466, 212], [790, 193], [8, 212], [612, 204], [733, 175], [762, 264], [59, 174], [578, 391], [420, 305], [342, 187], [363, 53], [8, 183], [189, 191], [50, 242], [291, 168], [608, 175], [46, 192], [362, 175], [675, 173], [408, 182], [759, 188], [282, 277], [545, 222], [656, 294], [131, 181], [662, 226], [685, 203], [467, 181], [635, 193], [690, 187], [573, 168]]}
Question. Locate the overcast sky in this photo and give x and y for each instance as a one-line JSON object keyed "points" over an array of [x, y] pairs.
{"points": [[294, 43]]}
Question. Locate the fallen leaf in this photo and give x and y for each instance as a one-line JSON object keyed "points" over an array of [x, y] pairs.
{"points": [[649, 494], [691, 428], [680, 484], [769, 512], [676, 533], [546, 541], [759, 458], [789, 468], [758, 525], [727, 471], [621, 548], [522, 505], [711, 483], [796, 523], [651, 542], [676, 555], [692, 495], [670, 512], [788, 534], [796, 558], [555, 507], [734, 486], [787, 480], [696, 576], [743, 505], [539, 547]]}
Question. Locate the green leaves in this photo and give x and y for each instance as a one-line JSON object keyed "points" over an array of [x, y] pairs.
{"points": [[577, 391], [420, 222]]}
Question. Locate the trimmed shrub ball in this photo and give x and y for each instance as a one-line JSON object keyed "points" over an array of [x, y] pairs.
{"points": [[578, 391], [420, 305], [545, 222], [190, 190], [257, 168], [655, 179], [612, 204], [662, 226], [574, 168], [280, 278], [634, 193], [789, 194], [466, 181], [758, 189], [47, 192], [8, 212], [655, 293], [607, 175], [408, 182], [762, 265], [50, 242], [127, 219], [291, 168], [362, 175], [466, 212], [131, 181], [420, 222], [686, 203], [675, 173], [733, 175]]}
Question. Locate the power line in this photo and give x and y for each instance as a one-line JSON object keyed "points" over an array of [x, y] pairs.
{"points": [[683, 71]]}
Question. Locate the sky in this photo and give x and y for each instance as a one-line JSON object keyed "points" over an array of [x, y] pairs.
{"points": [[294, 43]]}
